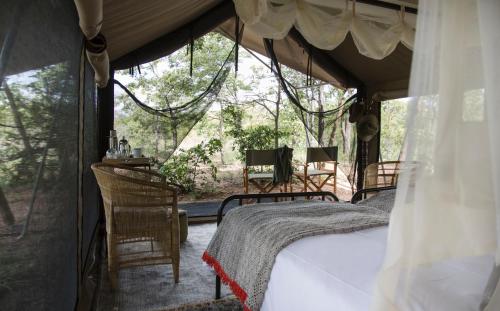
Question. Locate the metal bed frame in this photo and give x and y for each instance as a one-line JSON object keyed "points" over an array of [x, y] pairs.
{"points": [[258, 197], [361, 194]]}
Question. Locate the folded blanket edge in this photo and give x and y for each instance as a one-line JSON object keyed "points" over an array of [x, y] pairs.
{"points": [[233, 285]]}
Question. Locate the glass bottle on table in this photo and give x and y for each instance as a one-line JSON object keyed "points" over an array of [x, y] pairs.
{"points": [[111, 153], [124, 148]]}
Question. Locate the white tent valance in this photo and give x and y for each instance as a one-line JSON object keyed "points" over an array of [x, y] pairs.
{"points": [[325, 23]]}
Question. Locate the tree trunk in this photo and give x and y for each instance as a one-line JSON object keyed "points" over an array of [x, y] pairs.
{"points": [[221, 133], [308, 138], [173, 127], [5, 212], [18, 120], [174, 135], [277, 118], [338, 122], [343, 132], [157, 136], [306, 120], [321, 117]]}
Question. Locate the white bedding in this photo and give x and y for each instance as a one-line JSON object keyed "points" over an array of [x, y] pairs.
{"points": [[337, 272]]}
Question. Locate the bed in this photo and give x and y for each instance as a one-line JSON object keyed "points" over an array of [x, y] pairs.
{"points": [[312, 274]]}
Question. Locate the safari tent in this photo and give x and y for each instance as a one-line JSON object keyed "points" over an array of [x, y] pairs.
{"points": [[57, 64]]}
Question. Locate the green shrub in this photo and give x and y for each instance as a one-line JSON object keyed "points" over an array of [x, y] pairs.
{"points": [[258, 137], [183, 168]]}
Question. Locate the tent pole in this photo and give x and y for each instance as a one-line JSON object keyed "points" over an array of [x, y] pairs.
{"points": [[361, 150], [105, 113]]}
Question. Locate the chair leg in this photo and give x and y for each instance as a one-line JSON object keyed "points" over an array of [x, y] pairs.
{"points": [[175, 268], [245, 180], [335, 179], [112, 264], [175, 255]]}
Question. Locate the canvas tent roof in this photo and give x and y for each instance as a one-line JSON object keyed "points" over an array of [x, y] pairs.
{"points": [[129, 25], [139, 32]]}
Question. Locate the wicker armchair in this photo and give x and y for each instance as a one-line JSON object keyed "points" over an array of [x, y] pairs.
{"points": [[142, 221], [386, 174]]}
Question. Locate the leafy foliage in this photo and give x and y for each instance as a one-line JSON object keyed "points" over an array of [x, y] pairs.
{"points": [[258, 137], [392, 129], [166, 83], [36, 111], [233, 119], [184, 168], [249, 111]]}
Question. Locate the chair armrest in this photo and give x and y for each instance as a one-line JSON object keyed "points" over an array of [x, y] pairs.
{"points": [[140, 170], [299, 166], [174, 187]]}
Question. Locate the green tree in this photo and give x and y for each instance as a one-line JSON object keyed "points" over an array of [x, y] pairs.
{"points": [[393, 129], [166, 83]]}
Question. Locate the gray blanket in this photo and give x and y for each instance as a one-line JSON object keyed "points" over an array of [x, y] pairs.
{"points": [[383, 200], [246, 243]]}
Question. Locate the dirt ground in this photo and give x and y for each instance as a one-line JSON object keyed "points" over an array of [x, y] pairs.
{"points": [[32, 266], [230, 181]]}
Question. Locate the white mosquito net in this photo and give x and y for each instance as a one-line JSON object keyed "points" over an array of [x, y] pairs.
{"points": [[447, 214]]}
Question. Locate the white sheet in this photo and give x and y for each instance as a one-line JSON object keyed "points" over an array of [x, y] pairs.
{"points": [[337, 272]]}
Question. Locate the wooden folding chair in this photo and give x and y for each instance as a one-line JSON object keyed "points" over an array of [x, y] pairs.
{"points": [[262, 181], [324, 160]]}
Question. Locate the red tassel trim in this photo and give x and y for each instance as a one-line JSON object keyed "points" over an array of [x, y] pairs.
{"points": [[235, 288]]}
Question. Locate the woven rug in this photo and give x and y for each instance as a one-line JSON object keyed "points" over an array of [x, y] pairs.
{"points": [[152, 288], [225, 304]]}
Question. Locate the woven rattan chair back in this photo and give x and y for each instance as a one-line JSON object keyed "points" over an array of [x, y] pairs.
{"points": [[384, 174], [141, 211]]}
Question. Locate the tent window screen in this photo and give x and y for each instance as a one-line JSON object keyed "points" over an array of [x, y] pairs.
{"points": [[39, 138]]}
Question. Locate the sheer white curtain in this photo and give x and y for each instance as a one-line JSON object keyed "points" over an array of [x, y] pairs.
{"points": [[448, 213]]}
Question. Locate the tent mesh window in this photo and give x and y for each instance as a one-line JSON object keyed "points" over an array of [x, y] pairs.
{"points": [[44, 148], [322, 127], [180, 118]]}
